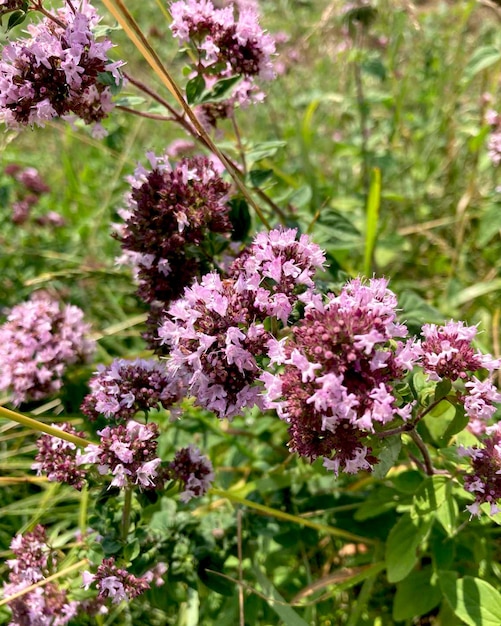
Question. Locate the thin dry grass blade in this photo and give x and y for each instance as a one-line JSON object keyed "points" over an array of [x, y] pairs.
{"points": [[131, 28]]}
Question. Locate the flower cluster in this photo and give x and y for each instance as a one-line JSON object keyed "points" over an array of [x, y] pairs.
{"points": [[123, 388], [128, 453], [57, 71], [216, 332], [33, 562], [37, 342], [336, 386], [241, 45], [447, 352], [6, 6], [484, 480], [116, 583], [29, 186], [170, 213], [225, 47], [494, 143], [194, 470], [57, 458]]}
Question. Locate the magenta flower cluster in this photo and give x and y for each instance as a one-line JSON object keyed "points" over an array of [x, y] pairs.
{"points": [[125, 388], [484, 478], [239, 45], [34, 561], [39, 340], [128, 453], [339, 366], [338, 370], [170, 214], [57, 71], [58, 458], [225, 46], [193, 470], [216, 333], [116, 583]]}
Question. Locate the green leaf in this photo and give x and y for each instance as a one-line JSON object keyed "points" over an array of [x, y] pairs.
{"points": [[447, 512], [111, 546], [430, 495], [416, 595], [442, 389], [194, 89], [439, 420], [220, 90], [107, 79], [208, 570], [258, 177], [240, 219], [481, 59], [16, 18], [388, 456], [458, 424], [277, 603], [264, 150], [381, 500], [474, 291], [473, 600], [490, 225], [403, 541]]}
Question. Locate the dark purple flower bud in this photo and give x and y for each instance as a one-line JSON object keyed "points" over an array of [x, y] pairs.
{"points": [[124, 388], [194, 470], [115, 583], [57, 458]]}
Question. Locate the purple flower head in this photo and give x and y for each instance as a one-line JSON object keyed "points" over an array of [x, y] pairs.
{"points": [[124, 388], [6, 6], [37, 342], [194, 470], [55, 72], [115, 583], [228, 42], [128, 453], [216, 333], [277, 268], [339, 369], [57, 458], [214, 342], [448, 352], [484, 479], [240, 44], [171, 211], [47, 605]]}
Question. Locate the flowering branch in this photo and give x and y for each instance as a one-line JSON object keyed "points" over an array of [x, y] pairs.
{"points": [[135, 34]]}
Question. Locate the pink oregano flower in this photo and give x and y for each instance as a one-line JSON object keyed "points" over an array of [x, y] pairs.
{"points": [[57, 71]]}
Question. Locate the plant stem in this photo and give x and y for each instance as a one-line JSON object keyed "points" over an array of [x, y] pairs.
{"points": [[424, 451], [41, 427], [126, 20], [124, 530], [37, 6]]}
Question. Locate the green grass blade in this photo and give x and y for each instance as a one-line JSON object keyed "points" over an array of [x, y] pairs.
{"points": [[373, 204]]}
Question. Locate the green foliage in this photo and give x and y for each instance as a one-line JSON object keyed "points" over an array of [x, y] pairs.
{"points": [[375, 145]]}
